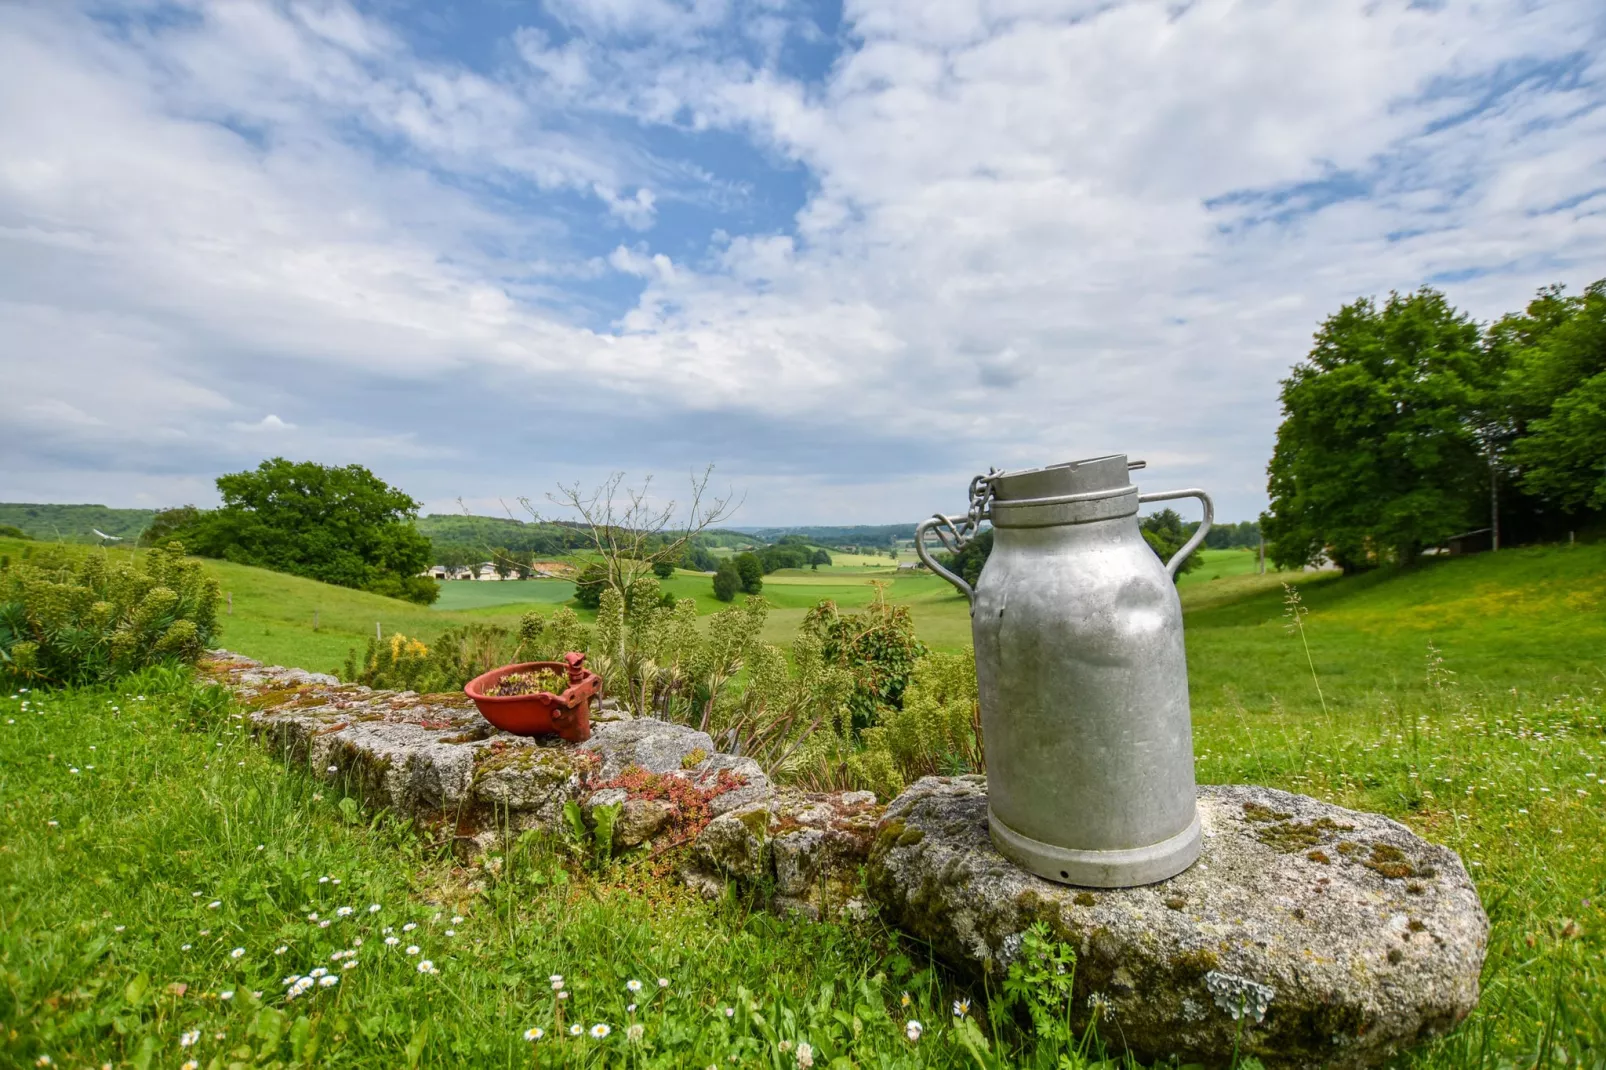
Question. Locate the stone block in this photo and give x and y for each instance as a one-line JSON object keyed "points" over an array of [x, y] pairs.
{"points": [[1306, 935]]}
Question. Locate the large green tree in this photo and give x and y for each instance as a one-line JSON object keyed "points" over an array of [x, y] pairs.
{"points": [[1555, 388], [342, 525], [1378, 456]]}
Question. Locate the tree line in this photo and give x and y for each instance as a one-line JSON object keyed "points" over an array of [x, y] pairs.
{"points": [[1409, 423]]}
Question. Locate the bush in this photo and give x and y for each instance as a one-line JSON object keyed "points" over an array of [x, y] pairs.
{"points": [[11, 531], [590, 584], [663, 569], [68, 619], [460, 654], [751, 570], [877, 646], [421, 589], [727, 581], [937, 732]]}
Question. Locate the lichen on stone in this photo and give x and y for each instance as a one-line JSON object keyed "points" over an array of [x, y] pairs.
{"points": [[1239, 996]]}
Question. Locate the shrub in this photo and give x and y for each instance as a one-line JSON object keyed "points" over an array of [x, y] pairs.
{"points": [[877, 646], [421, 589], [459, 655], [727, 581], [937, 732], [590, 584], [11, 531], [751, 570], [68, 619]]}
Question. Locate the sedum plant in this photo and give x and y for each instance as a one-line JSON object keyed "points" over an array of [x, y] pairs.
{"points": [[69, 618]]}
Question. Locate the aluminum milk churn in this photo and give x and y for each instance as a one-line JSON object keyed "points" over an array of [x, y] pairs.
{"points": [[1081, 672]]}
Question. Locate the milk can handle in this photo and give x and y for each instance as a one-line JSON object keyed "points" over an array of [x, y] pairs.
{"points": [[952, 539], [1192, 544]]}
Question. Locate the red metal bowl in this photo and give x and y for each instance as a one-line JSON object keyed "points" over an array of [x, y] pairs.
{"points": [[568, 715]]}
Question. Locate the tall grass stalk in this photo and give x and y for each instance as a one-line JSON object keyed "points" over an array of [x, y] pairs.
{"points": [[1295, 612]]}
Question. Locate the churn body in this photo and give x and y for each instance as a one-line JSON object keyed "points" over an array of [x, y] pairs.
{"points": [[1083, 682]]}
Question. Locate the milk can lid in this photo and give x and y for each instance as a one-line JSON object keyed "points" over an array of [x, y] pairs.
{"points": [[1089, 476]]}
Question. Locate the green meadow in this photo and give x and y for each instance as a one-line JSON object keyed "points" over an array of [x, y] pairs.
{"points": [[1463, 697]]}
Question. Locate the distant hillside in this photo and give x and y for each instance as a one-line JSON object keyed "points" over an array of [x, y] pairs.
{"points": [[858, 535], [481, 534], [74, 523]]}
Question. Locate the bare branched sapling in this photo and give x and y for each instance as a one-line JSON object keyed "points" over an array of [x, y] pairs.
{"points": [[630, 530]]}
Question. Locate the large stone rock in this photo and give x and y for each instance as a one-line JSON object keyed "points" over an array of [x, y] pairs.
{"points": [[809, 848], [1306, 934]]}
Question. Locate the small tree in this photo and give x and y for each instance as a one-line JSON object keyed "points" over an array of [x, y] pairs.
{"points": [[663, 569], [727, 581], [751, 569], [589, 585], [820, 558]]}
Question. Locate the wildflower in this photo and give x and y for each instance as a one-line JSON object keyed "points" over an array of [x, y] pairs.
{"points": [[563, 995], [43, 1060], [334, 769], [237, 953], [292, 979], [72, 770], [557, 983], [262, 847], [730, 1012], [663, 982], [319, 972], [805, 1056], [631, 1009], [961, 1007], [334, 880], [323, 880], [329, 981], [391, 941], [600, 1030], [206, 932], [636, 1032], [409, 927], [54, 825], [785, 1046], [904, 999], [412, 949], [343, 912], [373, 908], [190, 1064], [356, 941], [451, 932], [317, 796], [281, 949], [313, 916], [457, 919], [426, 966], [184, 947], [912, 1029], [633, 985], [225, 996], [575, 1030], [349, 964], [189, 1039], [324, 924], [214, 904]]}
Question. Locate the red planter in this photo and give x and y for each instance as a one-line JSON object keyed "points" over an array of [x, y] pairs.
{"points": [[568, 715]]}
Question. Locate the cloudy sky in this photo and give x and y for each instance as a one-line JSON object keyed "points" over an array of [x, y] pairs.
{"points": [[849, 253]]}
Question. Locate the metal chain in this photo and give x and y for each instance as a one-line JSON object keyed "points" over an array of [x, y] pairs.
{"points": [[981, 500]]}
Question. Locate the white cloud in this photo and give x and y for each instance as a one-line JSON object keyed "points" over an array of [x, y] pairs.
{"points": [[1030, 231], [269, 423]]}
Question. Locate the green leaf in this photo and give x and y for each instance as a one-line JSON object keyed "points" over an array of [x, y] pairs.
{"points": [[136, 988]]}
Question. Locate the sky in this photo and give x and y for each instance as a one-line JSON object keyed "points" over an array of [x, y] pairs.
{"points": [[851, 254]]}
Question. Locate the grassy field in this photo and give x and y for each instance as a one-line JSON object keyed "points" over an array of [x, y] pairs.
{"points": [[1492, 741]]}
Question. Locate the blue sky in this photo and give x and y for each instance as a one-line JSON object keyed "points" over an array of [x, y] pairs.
{"points": [[850, 254]]}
